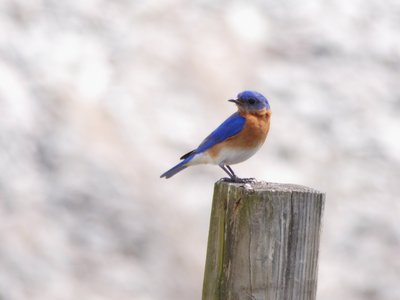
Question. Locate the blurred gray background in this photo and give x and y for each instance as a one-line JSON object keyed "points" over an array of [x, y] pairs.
{"points": [[98, 98]]}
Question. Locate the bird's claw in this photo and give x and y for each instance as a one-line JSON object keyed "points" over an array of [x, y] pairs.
{"points": [[246, 180], [227, 179], [238, 180]]}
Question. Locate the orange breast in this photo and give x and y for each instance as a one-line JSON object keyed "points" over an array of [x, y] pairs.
{"points": [[252, 135]]}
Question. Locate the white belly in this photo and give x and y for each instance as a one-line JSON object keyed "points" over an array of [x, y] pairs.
{"points": [[225, 156], [235, 156]]}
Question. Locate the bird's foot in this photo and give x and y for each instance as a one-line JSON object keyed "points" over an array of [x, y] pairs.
{"points": [[245, 180], [239, 180], [227, 179]]}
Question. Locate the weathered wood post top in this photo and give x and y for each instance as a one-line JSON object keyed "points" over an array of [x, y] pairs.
{"points": [[263, 242]]}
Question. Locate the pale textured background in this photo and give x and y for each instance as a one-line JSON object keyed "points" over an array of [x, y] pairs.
{"points": [[98, 98]]}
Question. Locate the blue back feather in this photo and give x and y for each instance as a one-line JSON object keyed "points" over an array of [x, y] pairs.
{"points": [[230, 127]]}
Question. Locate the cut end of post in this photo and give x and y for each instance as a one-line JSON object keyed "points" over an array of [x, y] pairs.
{"points": [[261, 186]]}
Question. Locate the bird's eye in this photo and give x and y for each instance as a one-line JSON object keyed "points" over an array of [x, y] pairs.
{"points": [[251, 101]]}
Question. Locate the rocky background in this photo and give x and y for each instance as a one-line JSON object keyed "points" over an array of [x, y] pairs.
{"points": [[98, 98]]}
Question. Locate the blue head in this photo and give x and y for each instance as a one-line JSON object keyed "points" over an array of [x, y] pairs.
{"points": [[251, 101]]}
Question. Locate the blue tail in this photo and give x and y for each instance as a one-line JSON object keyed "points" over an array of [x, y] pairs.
{"points": [[179, 167]]}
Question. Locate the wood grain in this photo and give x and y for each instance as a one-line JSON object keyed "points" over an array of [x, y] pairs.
{"points": [[263, 242]]}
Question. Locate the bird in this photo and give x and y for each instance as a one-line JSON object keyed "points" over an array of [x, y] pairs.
{"points": [[238, 138]]}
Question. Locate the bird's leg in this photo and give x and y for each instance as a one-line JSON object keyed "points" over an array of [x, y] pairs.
{"points": [[232, 176], [230, 170], [237, 179]]}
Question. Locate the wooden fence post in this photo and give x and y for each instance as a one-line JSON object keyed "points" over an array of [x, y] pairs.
{"points": [[263, 242]]}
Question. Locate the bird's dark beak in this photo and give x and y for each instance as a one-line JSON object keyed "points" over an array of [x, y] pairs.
{"points": [[234, 101]]}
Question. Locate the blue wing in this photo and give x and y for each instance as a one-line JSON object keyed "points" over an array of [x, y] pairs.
{"points": [[230, 127]]}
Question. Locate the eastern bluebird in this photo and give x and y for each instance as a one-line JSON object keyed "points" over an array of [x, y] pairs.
{"points": [[235, 140]]}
